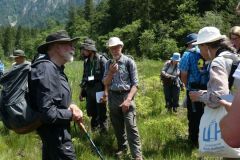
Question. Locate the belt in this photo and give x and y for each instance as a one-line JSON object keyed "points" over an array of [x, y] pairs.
{"points": [[120, 91]]}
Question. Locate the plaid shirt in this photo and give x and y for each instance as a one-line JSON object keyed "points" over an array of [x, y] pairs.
{"points": [[189, 64]]}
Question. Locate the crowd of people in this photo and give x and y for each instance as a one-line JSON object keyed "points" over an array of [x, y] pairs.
{"points": [[203, 70]]}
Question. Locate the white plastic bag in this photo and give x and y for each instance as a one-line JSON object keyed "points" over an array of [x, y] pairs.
{"points": [[210, 138]]}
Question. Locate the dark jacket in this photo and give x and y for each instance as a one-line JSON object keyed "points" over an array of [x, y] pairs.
{"points": [[52, 95]]}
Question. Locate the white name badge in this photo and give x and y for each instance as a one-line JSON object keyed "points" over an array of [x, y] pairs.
{"points": [[90, 78]]}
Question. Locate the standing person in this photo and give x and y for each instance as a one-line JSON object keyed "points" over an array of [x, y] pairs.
{"points": [[194, 77], [219, 50], [19, 57], [171, 82], [234, 36], [121, 78], [52, 97], [1, 68], [94, 66]]}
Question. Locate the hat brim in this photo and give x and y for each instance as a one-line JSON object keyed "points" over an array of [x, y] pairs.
{"points": [[43, 47], [89, 48], [177, 60], [211, 40], [191, 41], [12, 56], [115, 44]]}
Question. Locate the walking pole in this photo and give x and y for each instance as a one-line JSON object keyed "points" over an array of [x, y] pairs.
{"points": [[89, 138]]}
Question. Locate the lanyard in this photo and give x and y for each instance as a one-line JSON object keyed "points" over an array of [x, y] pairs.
{"points": [[92, 65]]}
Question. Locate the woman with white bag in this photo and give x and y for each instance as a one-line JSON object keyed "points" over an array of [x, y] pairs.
{"points": [[218, 49]]}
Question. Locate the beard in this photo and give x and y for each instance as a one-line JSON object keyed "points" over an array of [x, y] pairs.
{"points": [[68, 56], [116, 56]]}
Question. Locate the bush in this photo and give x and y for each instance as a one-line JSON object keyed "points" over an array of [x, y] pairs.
{"points": [[167, 47]]}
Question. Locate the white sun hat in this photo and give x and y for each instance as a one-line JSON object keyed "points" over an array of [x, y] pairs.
{"points": [[114, 41], [208, 34]]}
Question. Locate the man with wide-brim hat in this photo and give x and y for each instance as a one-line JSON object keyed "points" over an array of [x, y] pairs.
{"points": [[58, 37], [19, 57], [94, 67], [52, 96]]}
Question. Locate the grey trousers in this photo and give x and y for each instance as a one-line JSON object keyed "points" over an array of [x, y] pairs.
{"points": [[124, 121]]}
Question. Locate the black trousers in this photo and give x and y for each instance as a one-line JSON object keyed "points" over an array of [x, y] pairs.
{"points": [[56, 143], [194, 113], [97, 111], [171, 93]]}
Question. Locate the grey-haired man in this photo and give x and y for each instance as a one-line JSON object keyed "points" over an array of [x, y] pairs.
{"points": [[121, 79], [52, 97]]}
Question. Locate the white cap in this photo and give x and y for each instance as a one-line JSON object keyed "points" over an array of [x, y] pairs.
{"points": [[208, 34], [114, 41]]}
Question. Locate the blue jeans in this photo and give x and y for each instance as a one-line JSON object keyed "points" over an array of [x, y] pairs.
{"points": [[171, 93]]}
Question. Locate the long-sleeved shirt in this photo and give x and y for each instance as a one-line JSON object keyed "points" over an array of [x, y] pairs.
{"points": [[218, 81]]}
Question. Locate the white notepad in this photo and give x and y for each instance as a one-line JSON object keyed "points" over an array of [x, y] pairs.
{"points": [[99, 95]]}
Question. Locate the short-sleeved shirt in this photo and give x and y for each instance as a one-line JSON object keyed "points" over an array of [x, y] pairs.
{"points": [[189, 64], [52, 94], [125, 77]]}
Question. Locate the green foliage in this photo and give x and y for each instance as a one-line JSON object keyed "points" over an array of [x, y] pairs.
{"points": [[88, 10], [167, 47], [215, 19], [146, 43], [128, 34]]}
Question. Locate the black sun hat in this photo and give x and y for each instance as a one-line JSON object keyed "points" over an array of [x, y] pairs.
{"points": [[60, 36], [89, 44]]}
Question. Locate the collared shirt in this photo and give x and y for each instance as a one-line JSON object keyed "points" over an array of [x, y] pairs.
{"points": [[189, 64], [52, 94], [125, 77]]}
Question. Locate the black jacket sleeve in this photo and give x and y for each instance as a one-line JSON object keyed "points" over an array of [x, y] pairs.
{"points": [[46, 84]]}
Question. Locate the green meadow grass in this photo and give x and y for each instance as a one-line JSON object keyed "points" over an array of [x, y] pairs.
{"points": [[163, 134]]}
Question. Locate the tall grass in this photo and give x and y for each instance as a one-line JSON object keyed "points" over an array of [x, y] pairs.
{"points": [[163, 134]]}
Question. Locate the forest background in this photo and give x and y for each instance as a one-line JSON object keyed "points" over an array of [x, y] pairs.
{"points": [[152, 29]]}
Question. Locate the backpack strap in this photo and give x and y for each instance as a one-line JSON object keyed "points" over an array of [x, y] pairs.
{"points": [[230, 77], [168, 66]]}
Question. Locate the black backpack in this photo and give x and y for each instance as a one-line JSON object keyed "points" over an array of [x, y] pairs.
{"points": [[15, 110]]}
